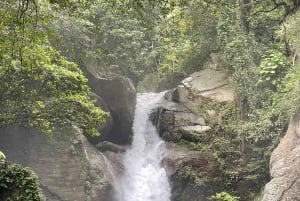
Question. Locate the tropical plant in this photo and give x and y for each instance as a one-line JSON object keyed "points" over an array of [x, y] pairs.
{"points": [[39, 87]]}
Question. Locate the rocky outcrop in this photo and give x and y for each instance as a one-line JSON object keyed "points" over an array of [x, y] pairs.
{"points": [[194, 174], [178, 116], [68, 166], [206, 84], [119, 95], [189, 170], [284, 166]]}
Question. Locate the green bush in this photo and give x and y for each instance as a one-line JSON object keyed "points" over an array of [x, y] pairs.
{"points": [[19, 184], [223, 196]]}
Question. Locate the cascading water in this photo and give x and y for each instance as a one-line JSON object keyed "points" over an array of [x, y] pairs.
{"points": [[144, 177]]}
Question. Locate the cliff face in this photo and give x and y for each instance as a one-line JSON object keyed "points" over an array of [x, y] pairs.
{"points": [[68, 167], [284, 166]]}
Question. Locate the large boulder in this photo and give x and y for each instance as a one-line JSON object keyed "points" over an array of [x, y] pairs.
{"points": [[68, 166], [284, 166], [206, 84], [178, 116], [106, 128], [194, 175], [119, 95]]}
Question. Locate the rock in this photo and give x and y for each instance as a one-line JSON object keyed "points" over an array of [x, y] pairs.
{"points": [[181, 94], [169, 95], [68, 166], [106, 128], [181, 105], [194, 133], [204, 167], [194, 175], [209, 84], [119, 95], [196, 129], [108, 146], [115, 162], [178, 156], [204, 85], [284, 166]]}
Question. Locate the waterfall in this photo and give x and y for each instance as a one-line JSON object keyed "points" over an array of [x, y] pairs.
{"points": [[144, 178]]}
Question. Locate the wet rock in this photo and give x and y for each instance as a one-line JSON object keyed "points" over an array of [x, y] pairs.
{"points": [[108, 146]]}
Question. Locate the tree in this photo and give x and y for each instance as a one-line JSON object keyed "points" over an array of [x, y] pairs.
{"points": [[39, 87]]}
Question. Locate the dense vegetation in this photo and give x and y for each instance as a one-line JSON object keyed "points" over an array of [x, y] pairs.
{"points": [[39, 87], [18, 184], [43, 44]]}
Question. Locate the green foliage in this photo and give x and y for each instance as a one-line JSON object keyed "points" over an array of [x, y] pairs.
{"points": [[188, 174], [46, 90], [19, 184], [223, 196], [39, 87], [273, 67]]}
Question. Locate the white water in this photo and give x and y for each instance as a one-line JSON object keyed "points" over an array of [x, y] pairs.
{"points": [[144, 178]]}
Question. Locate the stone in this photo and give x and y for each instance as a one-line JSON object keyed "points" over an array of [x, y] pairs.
{"points": [[188, 118], [200, 87], [119, 95], [67, 171], [180, 94], [205, 167], [105, 129], [108, 146], [210, 84], [194, 133], [178, 120], [284, 166], [169, 94], [196, 129]]}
